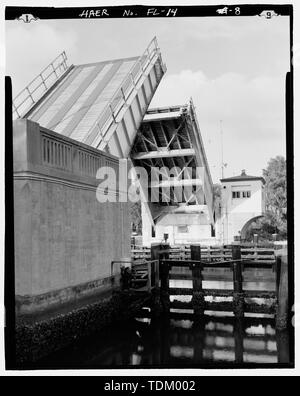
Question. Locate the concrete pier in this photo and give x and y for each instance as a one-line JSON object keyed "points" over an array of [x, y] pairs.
{"points": [[65, 240]]}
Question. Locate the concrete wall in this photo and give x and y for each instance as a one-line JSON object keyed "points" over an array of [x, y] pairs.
{"points": [[65, 239]]}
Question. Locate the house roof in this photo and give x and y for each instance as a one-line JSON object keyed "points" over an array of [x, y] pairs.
{"points": [[243, 177]]}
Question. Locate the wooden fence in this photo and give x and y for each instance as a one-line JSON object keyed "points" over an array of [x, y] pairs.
{"points": [[241, 265], [260, 253]]}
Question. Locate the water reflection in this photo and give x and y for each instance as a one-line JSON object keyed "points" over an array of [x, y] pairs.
{"points": [[172, 342], [179, 341]]}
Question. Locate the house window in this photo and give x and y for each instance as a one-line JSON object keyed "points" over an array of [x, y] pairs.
{"points": [[153, 232], [235, 194], [183, 229], [246, 194], [241, 194]]}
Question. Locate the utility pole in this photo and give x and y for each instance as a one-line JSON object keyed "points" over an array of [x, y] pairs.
{"points": [[222, 159], [223, 205]]}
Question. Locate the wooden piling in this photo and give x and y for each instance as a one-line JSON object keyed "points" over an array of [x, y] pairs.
{"points": [[283, 346], [155, 249], [238, 296], [198, 300], [165, 330], [150, 276], [164, 278], [278, 270], [156, 302], [161, 296], [239, 340], [156, 273], [199, 333], [237, 269], [282, 293]]}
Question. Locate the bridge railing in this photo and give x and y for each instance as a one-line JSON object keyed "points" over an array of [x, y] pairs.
{"points": [[138, 276], [39, 85], [150, 57], [47, 152]]}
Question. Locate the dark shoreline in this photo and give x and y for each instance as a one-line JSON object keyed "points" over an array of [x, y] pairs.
{"points": [[40, 338]]}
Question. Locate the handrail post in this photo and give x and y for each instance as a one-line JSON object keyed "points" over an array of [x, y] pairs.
{"points": [[198, 299], [238, 295], [29, 93], [123, 94], [43, 81], [54, 69], [112, 112], [16, 109]]}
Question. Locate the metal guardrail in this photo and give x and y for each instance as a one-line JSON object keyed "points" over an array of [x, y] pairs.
{"points": [[140, 277], [120, 97], [39, 85]]}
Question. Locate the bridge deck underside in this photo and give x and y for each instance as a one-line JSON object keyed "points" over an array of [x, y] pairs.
{"points": [[165, 143]]}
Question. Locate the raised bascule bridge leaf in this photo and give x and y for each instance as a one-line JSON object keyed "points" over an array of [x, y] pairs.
{"points": [[99, 104]]}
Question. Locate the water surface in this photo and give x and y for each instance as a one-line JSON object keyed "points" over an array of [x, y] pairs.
{"points": [[218, 339], [173, 342]]}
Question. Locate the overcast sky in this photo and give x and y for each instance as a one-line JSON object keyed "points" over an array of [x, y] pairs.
{"points": [[233, 68]]}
